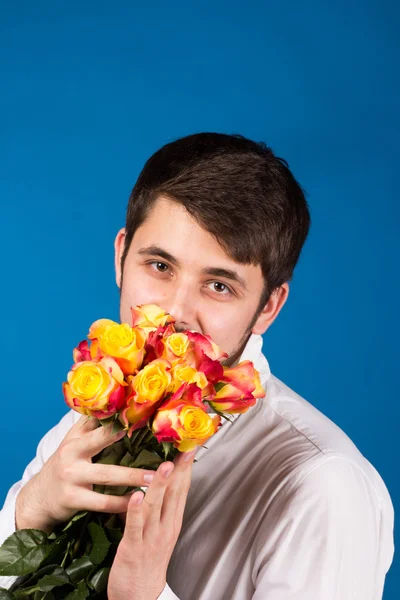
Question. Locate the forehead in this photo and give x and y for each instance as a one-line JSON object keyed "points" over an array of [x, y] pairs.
{"points": [[169, 226]]}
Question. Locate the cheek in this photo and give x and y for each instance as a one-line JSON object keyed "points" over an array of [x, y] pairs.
{"points": [[225, 328], [138, 289]]}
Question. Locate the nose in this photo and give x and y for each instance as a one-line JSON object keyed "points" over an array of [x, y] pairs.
{"points": [[180, 303]]}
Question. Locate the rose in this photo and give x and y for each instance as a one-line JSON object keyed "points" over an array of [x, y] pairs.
{"points": [[176, 346], [238, 390], [155, 347], [183, 421], [95, 388], [151, 383], [203, 344], [124, 343], [149, 317], [183, 373], [82, 352], [146, 390]]}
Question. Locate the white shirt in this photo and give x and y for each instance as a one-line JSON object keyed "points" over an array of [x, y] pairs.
{"points": [[282, 506]]}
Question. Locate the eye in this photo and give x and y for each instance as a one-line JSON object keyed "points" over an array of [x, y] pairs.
{"points": [[221, 288], [160, 267]]}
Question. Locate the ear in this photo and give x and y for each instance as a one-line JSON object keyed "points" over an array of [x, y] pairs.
{"points": [[119, 245], [271, 309]]}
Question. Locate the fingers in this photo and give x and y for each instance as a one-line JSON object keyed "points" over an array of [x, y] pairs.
{"points": [[116, 475], [175, 500], [134, 522], [82, 426], [94, 441], [160, 511], [102, 502], [155, 496], [152, 504]]}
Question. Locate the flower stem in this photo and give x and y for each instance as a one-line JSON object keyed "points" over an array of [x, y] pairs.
{"points": [[79, 540]]}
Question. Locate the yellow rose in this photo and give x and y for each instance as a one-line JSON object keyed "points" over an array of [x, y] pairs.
{"points": [[177, 346], [95, 388], [183, 420], [152, 382], [182, 373], [124, 343], [195, 425], [178, 343]]}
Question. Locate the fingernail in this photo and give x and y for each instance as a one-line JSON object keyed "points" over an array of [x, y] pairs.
{"points": [[188, 455], [138, 499], [168, 470], [148, 478]]}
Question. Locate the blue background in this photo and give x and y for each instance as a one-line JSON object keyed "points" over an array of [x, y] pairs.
{"points": [[88, 90]]}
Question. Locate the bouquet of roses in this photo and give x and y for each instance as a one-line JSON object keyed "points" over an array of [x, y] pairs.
{"points": [[158, 385]]}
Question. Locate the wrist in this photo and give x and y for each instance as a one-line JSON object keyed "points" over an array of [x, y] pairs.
{"points": [[28, 515]]}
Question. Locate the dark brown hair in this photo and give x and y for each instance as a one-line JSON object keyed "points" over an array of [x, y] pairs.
{"points": [[238, 191]]}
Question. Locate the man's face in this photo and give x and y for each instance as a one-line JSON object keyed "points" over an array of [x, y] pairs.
{"points": [[176, 264]]}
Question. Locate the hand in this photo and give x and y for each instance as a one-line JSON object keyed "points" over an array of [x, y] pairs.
{"points": [[64, 485], [153, 524]]}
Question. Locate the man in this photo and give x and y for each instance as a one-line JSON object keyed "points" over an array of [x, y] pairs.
{"points": [[280, 505]]}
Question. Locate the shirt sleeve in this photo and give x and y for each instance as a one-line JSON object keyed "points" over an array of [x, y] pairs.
{"points": [[47, 446], [167, 594], [323, 539]]}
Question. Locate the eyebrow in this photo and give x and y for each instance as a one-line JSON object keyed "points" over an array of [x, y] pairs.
{"points": [[230, 274]]}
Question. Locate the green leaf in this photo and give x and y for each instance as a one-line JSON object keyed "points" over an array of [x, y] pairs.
{"points": [[74, 519], [55, 579], [79, 568], [48, 582], [117, 490], [167, 449], [218, 386], [147, 460], [117, 426], [111, 455], [100, 543], [56, 551], [5, 594], [99, 580], [81, 593], [114, 535], [107, 422], [52, 580], [31, 579], [111, 522], [127, 460], [23, 551], [113, 528]]}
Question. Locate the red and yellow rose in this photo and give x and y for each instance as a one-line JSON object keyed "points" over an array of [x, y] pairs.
{"points": [[183, 420], [149, 317], [238, 390], [95, 388], [146, 390], [124, 343]]}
